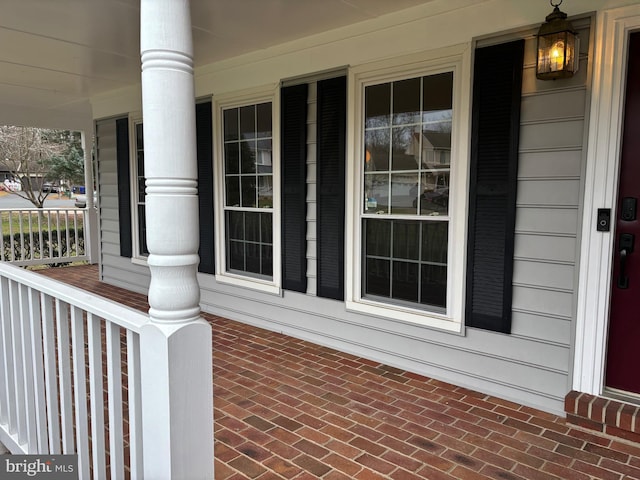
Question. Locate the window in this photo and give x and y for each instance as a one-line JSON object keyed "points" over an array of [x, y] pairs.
{"points": [[138, 194], [408, 177], [247, 251], [407, 137]]}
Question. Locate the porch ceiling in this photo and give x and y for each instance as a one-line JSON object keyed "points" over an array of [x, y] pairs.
{"points": [[56, 55]]}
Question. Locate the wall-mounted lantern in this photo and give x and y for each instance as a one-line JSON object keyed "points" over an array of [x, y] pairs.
{"points": [[558, 46]]}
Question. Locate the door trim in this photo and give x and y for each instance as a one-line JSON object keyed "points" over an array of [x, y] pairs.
{"points": [[601, 184]]}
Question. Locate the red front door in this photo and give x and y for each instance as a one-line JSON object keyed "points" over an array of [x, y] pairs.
{"points": [[623, 349]]}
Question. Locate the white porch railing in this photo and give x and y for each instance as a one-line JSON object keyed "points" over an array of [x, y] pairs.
{"points": [[70, 377], [32, 236]]}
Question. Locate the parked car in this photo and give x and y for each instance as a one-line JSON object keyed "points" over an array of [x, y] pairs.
{"points": [[81, 200], [50, 188]]}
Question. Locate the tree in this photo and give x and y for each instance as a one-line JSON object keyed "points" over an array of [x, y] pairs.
{"points": [[35, 156]]}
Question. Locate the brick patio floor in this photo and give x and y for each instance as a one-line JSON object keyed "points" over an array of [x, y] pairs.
{"points": [[289, 409]]}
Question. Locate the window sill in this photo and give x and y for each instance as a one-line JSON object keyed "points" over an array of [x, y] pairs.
{"points": [[406, 315], [140, 261], [249, 283]]}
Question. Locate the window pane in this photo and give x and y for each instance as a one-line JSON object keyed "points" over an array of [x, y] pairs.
{"points": [[264, 120], [437, 92], [434, 198], [253, 262], [433, 280], [231, 124], [235, 225], [141, 189], [405, 281], [248, 186], [140, 162], [139, 136], [406, 148], [232, 187], [267, 260], [265, 191], [248, 122], [377, 105], [376, 192], [252, 226], [266, 228], [377, 278], [434, 242], [248, 157], [406, 240], [378, 238], [376, 144], [404, 191], [406, 101], [231, 158], [263, 157], [142, 230], [236, 255]]}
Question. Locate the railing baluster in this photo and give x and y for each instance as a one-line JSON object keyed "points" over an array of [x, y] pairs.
{"points": [[8, 413], [96, 389], [18, 366], [58, 236], [21, 227], [114, 375], [66, 229], [35, 316], [135, 405], [51, 380], [11, 240], [64, 372], [31, 245], [80, 391], [40, 235], [49, 234], [31, 429]]}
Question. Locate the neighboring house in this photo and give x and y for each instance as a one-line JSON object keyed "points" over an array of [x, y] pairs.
{"points": [[400, 187]]}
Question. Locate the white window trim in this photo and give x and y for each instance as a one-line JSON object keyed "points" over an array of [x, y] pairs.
{"points": [[458, 60], [238, 99], [137, 257]]}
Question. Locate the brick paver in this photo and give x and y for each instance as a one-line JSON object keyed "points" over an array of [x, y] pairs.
{"points": [[288, 409]]}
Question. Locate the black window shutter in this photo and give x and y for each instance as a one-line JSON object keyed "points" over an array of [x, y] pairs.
{"points": [[204, 149], [497, 90], [332, 109], [124, 186], [294, 186]]}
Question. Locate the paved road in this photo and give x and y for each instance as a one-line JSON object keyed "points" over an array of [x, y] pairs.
{"points": [[13, 201]]}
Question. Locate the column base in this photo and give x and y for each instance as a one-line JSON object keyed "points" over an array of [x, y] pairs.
{"points": [[605, 415]]}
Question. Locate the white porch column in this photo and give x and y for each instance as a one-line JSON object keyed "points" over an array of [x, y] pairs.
{"points": [[175, 349]]}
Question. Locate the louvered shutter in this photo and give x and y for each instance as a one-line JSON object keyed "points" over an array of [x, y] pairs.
{"points": [[492, 202]]}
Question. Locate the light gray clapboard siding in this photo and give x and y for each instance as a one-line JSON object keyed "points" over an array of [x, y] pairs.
{"points": [[311, 253], [115, 269], [531, 365]]}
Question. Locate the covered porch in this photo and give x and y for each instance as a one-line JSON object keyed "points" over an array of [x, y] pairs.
{"points": [[286, 408]]}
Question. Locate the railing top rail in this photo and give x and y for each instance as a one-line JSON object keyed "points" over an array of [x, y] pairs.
{"points": [[111, 311], [43, 209]]}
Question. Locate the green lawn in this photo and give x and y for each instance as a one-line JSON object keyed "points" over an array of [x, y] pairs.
{"points": [[13, 225]]}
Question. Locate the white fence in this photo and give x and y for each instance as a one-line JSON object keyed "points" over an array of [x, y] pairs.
{"points": [[70, 377], [43, 235]]}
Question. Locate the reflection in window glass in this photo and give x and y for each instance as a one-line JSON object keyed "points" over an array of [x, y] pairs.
{"points": [[406, 171], [248, 181]]}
